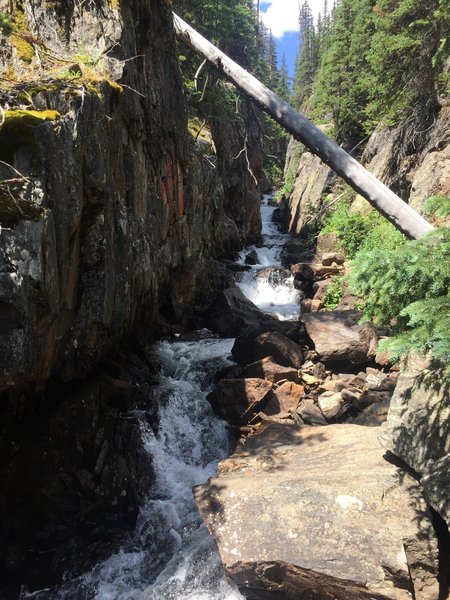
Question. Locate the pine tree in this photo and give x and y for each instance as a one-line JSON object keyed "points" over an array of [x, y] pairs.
{"points": [[341, 84], [407, 38], [307, 58], [283, 88]]}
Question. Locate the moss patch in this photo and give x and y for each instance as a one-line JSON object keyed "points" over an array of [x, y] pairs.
{"points": [[18, 129], [24, 49]]}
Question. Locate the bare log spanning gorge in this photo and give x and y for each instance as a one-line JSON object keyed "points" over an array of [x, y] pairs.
{"points": [[400, 214]]}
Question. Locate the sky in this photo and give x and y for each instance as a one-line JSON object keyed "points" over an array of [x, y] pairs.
{"points": [[281, 16]]}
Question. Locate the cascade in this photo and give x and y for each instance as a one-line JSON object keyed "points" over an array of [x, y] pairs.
{"points": [[171, 555]]}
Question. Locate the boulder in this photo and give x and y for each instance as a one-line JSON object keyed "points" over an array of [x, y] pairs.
{"points": [[245, 350], [268, 369], [375, 414], [238, 400], [283, 350], [287, 397], [310, 413], [314, 271], [296, 250], [337, 336], [418, 431], [330, 404], [320, 289], [303, 512], [252, 258], [330, 258], [232, 312]]}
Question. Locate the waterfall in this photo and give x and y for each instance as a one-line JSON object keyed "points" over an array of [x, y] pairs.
{"points": [[266, 284]]}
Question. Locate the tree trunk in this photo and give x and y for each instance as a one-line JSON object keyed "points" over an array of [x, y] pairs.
{"points": [[400, 214]]}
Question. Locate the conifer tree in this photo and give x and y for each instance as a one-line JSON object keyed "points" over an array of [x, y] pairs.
{"points": [[307, 59]]}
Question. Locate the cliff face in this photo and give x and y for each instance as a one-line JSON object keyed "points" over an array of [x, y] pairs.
{"points": [[112, 219], [414, 173], [115, 215]]}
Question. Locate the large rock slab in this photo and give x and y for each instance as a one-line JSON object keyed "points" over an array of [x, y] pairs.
{"points": [[306, 512], [418, 431], [337, 336]]}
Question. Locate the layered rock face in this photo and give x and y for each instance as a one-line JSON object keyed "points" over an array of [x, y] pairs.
{"points": [[112, 217], [120, 212]]}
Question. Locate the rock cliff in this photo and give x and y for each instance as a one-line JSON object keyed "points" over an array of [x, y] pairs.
{"points": [[413, 173], [112, 220]]}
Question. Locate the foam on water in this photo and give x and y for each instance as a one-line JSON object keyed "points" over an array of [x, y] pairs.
{"points": [[266, 284], [171, 555]]}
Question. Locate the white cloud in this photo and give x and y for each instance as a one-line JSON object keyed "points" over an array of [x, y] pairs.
{"points": [[282, 15]]}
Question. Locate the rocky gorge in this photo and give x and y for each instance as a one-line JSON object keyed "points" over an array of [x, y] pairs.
{"points": [[118, 226]]}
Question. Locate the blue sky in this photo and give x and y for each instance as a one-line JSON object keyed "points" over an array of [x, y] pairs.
{"points": [[281, 16]]}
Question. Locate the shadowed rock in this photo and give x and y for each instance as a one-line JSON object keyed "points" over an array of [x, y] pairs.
{"points": [[418, 431], [232, 312]]}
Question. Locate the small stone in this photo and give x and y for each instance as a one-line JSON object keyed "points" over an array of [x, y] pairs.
{"points": [[330, 404], [349, 395], [310, 413], [310, 379]]}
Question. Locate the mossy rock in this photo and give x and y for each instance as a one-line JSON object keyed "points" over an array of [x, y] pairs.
{"points": [[18, 130]]}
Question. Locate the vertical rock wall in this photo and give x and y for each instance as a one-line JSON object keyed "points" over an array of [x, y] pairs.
{"points": [[117, 212], [112, 220]]}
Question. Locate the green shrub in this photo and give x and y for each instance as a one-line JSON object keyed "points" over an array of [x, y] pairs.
{"points": [[356, 231], [408, 288], [334, 293]]}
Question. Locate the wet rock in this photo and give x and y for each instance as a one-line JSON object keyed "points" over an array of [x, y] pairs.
{"points": [[296, 250], [418, 431], [268, 369], [327, 483], [232, 313], [238, 400], [337, 336], [283, 350], [252, 258], [245, 348], [83, 469], [309, 305]]}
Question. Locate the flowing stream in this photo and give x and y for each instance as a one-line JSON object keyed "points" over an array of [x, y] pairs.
{"points": [[171, 555], [267, 284]]}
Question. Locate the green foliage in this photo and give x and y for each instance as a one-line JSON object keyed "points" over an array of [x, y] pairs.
{"points": [[341, 83], [380, 59], [408, 288], [291, 173], [233, 26], [6, 23], [356, 231], [438, 206], [308, 57], [334, 293]]}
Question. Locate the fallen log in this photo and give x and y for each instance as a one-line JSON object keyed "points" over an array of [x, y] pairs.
{"points": [[400, 214]]}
